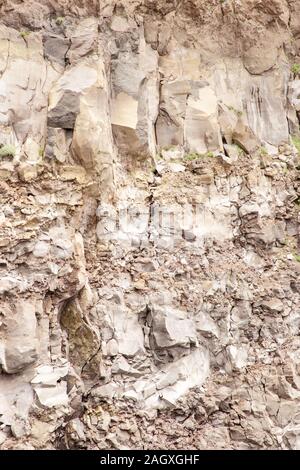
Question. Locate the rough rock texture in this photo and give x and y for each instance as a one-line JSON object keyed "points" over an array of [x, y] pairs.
{"points": [[149, 264]]}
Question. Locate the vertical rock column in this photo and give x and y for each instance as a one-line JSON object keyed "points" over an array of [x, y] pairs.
{"points": [[188, 115], [135, 101]]}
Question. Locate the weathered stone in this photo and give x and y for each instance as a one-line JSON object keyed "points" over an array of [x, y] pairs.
{"points": [[83, 341], [135, 104], [257, 63], [55, 49], [172, 328], [83, 39], [64, 112], [57, 145], [244, 137], [21, 344], [73, 172], [27, 172], [149, 224], [188, 117], [274, 305], [52, 396]]}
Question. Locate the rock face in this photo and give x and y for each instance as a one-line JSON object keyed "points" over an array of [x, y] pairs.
{"points": [[149, 252]]}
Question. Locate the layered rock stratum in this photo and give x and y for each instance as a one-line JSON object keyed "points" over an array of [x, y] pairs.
{"points": [[149, 222]]}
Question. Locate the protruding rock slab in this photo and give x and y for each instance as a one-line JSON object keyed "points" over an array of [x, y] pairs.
{"points": [[21, 342]]}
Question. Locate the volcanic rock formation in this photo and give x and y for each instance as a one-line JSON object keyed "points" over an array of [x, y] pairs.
{"points": [[149, 189]]}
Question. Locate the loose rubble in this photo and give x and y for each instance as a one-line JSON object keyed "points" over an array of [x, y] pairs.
{"points": [[149, 222]]}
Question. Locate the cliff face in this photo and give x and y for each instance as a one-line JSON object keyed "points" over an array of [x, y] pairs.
{"points": [[149, 266]]}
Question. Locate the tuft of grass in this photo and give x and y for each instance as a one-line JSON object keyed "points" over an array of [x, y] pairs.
{"points": [[7, 151], [169, 147], [234, 110], [195, 155], [41, 152], [296, 69], [263, 151], [24, 34], [59, 20], [297, 258], [239, 150], [191, 156], [296, 142]]}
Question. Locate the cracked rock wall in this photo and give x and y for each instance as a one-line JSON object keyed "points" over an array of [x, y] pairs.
{"points": [[149, 223]]}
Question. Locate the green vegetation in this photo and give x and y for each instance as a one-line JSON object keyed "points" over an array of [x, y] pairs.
{"points": [[296, 69], [234, 110], [167, 148], [263, 151], [297, 258], [191, 156], [59, 20], [24, 34], [296, 142], [194, 155], [41, 152], [7, 151], [239, 149]]}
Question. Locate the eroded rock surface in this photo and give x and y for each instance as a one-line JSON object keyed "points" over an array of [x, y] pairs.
{"points": [[149, 253]]}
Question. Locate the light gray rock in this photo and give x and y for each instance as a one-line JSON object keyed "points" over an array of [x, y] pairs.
{"points": [[274, 305], [188, 116], [172, 328], [245, 138], [135, 101], [55, 49], [52, 396], [21, 343], [83, 40], [143, 266], [260, 100], [128, 332]]}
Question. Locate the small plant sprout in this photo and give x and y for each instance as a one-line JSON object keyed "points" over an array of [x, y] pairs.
{"points": [[296, 142], [24, 34], [296, 69], [191, 156], [263, 151], [7, 150], [59, 20]]}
